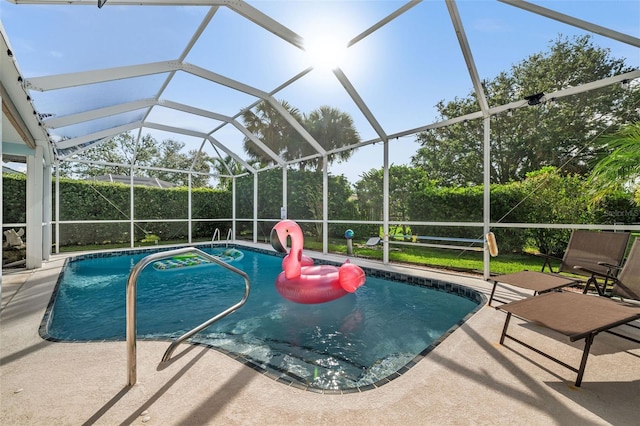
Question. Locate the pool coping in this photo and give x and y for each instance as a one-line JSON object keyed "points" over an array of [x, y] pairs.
{"points": [[279, 376]]}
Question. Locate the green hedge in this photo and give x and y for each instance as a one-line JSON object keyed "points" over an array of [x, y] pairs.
{"points": [[81, 200], [14, 198], [544, 197]]}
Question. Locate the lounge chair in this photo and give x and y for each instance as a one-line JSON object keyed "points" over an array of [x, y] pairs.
{"points": [[582, 316], [577, 316], [586, 253]]}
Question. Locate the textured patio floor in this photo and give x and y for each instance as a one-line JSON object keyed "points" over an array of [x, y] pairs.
{"points": [[468, 379]]}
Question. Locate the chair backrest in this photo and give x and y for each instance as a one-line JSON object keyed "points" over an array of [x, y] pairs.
{"points": [[587, 248], [628, 283]]}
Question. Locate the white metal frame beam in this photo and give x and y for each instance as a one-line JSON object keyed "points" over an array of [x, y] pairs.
{"points": [[257, 17], [484, 108], [632, 75], [570, 20], [362, 106], [468, 56], [239, 6], [103, 112], [70, 143], [243, 9], [383, 22], [95, 114], [194, 133], [82, 78], [98, 76]]}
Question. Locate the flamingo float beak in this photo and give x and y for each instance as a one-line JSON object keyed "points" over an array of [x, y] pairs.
{"points": [[277, 242]]}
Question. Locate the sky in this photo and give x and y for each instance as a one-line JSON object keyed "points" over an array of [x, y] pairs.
{"points": [[400, 71]]}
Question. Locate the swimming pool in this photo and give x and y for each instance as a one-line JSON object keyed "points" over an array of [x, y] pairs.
{"points": [[355, 343]]}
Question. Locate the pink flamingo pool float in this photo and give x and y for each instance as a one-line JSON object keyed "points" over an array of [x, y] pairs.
{"points": [[301, 281]]}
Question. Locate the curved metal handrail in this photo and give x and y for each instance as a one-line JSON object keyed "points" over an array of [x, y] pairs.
{"points": [[215, 232], [131, 305]]}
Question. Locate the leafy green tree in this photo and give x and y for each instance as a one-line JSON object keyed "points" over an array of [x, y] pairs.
{"points": [[148, 152], [552, 196], [619, 168], [558, 133], [64, 169], [172, 157], [330, 127], [121, 149], [403, 180]]}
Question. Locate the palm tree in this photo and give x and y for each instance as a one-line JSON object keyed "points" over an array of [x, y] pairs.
{"points": [[268, 125], [330, 127], [620, 169]]}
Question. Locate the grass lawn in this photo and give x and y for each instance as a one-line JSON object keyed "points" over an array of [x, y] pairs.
{"points": [[456, 260]]}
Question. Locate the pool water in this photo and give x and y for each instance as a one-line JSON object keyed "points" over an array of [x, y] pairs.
{"points": [[354, 342]]}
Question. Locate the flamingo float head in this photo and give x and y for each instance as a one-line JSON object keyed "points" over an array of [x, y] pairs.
{"points": [[281, 231]]}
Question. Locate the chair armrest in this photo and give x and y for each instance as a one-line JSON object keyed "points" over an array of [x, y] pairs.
{"points": [[591, 271], [611, 267]]}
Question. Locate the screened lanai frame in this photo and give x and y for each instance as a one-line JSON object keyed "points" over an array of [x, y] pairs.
{"points": [[134, 113]]}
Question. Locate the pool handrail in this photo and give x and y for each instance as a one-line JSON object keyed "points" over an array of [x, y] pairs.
{"points": [[215, 232], [131, 305]]}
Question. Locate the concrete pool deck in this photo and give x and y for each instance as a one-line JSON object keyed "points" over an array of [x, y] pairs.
{"points": [[468, 379]]}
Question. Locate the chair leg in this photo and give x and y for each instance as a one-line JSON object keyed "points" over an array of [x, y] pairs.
{"points": [[585, 354], [493, 291], [592, 280], [504, 329]]}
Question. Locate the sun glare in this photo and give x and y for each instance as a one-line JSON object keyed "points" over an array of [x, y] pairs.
{"points": [[325, 52]]}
